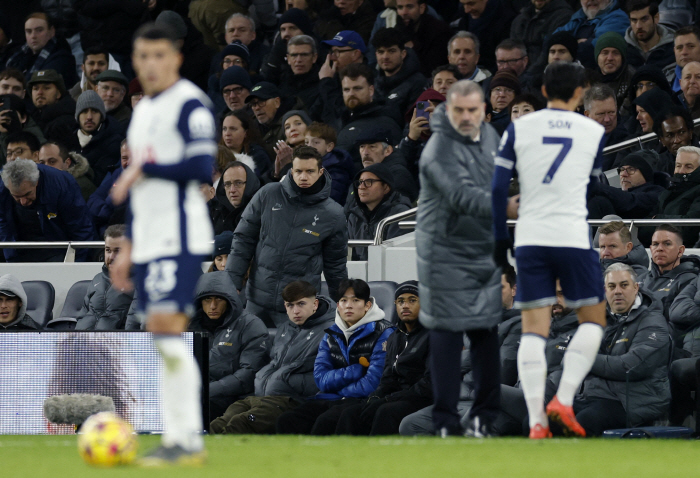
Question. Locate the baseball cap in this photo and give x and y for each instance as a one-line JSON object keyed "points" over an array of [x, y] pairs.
{"points": [[48, 76], [264, 91], [113, 75], [8, 293], [348, 38]]}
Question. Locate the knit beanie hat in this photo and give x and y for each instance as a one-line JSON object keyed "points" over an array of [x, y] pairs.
{"points": [[563, 38], [408, 287], [611, 40], [299, 18], [381, 170], [235, 75], [637, 160], [236, 47], [506, 78], [89, 99], [174, 21], [222, 243], [300, 113], [655, 102]]}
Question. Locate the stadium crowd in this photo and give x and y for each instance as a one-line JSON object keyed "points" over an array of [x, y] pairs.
{"points": [[323, 111]]}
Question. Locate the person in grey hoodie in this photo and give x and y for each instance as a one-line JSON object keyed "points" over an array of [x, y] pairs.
{"points": [[282, 384], [238, 344], [13, 306], [648, 42], [291, 230]]}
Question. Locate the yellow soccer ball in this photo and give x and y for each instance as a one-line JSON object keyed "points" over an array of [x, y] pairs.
{"points": [[106, 440]]}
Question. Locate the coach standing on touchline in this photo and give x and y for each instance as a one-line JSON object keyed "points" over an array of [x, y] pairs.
{"points": [[460, 285]]}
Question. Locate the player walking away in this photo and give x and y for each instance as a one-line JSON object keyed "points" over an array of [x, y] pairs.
{"points": [[557, 154], [171, 138]]}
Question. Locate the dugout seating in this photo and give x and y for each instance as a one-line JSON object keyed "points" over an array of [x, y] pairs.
{"points": [[40, 298], [383, 291], [71, 307]]}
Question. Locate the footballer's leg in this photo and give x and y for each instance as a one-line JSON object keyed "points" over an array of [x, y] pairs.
{"points": [[532, 367]]}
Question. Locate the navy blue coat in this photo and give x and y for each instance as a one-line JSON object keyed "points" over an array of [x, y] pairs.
{"points": [[63, 214], [340, 166]]}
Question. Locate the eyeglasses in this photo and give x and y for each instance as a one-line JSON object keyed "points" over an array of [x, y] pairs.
{"points": [[257, 104], [508, 62], [411, 301], [232, 91], [294, 56], [627, 169], [228, 185], [229, 62], [367, 183], [337, 52]]}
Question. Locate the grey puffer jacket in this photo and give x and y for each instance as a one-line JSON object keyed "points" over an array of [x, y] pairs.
{"points": [[638, 346], [237, 347], [288, 236], [104, 307], [665, 286], [460, 285], [23, 321], [637, 259], [291, 368], [685, 318]]}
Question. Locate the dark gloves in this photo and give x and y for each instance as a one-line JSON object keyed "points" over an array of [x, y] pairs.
{"points": [[371, 407], [500, 252]]}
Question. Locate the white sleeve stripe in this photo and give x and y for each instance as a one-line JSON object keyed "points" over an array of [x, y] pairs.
{"points": [[504, 163], [199, 148]]}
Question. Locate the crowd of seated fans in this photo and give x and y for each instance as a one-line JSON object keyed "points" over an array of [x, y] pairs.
{"points": [[344, 90]]}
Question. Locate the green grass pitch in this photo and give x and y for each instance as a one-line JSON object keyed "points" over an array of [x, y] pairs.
{"points": [[390, 457]]}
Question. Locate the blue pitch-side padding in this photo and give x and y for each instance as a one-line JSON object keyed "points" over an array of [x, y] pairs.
{"points": [[650, 432]]}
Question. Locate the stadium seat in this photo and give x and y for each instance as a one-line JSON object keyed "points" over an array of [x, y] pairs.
{"points": [[71, 307], [40, 299], [324, 289], [383, 291]]}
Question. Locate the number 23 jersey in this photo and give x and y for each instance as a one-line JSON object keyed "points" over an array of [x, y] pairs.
{"points": [[555, 153]]}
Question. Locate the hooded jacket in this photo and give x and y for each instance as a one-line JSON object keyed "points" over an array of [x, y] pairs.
{"points": [[401, 90], [339, 165], [238, 345], [104, 307], [337, 370], [23, 321], [373, 116], [63, 214], [460, 285], [102, 152], [406, 373], [57, 121], [291, 368], [682, 201], [637, 259], [532, 27], [288, 236], [224, 216], [665, 286], [635, 347], [684, 317], [661, 55], [362, 223], [83, 174]]}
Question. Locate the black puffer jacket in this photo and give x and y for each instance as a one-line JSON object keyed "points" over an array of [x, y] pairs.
{"points": [[403, 89], [57, 121], [104, 307], [684, 317], [102, 152], [362, 223], [238, 344], [665, 286], [373, 116], [288, 236], [637, 259], [291, 368], [406, 373], [224, 216]]}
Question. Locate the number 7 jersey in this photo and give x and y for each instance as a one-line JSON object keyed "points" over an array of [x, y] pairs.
{"points": [[556, 154]]}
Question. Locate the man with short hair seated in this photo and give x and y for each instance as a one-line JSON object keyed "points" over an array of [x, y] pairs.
{"points": [[405, 386], [616, 246], [349, 363], [238, 342], [13, 306], [104, 307], [640, 355], [288, 379]]}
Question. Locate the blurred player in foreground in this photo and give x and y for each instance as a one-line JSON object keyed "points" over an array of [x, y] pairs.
{"points": [[171, 138], [557, 154]]}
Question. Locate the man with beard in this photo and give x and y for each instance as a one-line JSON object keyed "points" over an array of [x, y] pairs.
{"points": [[649, 42], [236, 188], [425, 34], [610, 55], [54, 108], [95, 61], [587, 25], [674, 130]]}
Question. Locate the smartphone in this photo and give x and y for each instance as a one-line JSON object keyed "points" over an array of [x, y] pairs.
{"points": [[420, 109]]}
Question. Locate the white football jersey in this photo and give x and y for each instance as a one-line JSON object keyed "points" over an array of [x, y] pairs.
{"points": [[170, 217], [554, 152]]}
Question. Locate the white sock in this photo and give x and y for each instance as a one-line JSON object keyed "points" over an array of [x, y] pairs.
{"points": [[532, 371], [578, 360], [180, 394]]}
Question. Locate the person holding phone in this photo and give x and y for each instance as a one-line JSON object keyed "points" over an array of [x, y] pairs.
{"points": [[418, 120]]}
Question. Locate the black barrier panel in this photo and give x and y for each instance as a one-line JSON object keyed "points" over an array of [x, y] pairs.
{"points": [[122, 365]]}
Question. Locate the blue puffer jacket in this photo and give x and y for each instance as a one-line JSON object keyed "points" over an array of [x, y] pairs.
{"points": [[340, 166], [612, 19], [337, 370], [62, 212]]}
